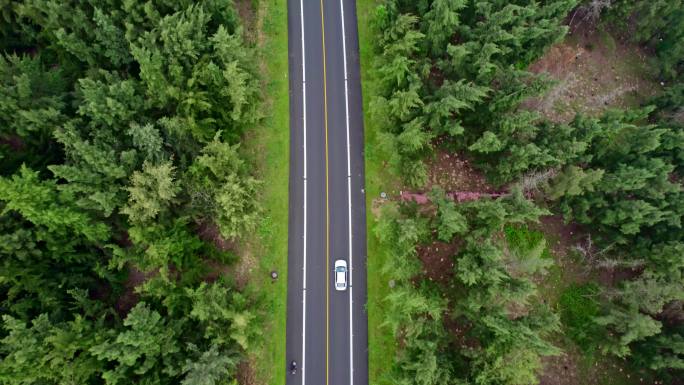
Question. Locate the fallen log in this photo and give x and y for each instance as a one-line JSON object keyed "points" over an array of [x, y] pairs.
{"points": [[458, 196]]}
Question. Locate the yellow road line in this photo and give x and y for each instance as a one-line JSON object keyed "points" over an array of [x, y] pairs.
{"points": [[327, 207]]}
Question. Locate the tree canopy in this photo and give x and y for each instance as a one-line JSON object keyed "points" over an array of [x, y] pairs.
{"points": [[121, 123]]}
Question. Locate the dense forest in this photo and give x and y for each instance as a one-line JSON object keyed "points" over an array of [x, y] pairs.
{"points": [[119, 144], [453, 77]]}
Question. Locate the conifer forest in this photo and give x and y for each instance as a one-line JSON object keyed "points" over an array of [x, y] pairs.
{"points": [[530, 155], [120, 133], [535, 235]]}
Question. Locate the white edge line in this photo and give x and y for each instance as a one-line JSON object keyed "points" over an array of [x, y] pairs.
{"points": [[301, 19], [351, 286]]}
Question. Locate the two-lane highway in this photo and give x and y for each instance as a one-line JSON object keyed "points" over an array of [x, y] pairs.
{"points": [[327, 330]]}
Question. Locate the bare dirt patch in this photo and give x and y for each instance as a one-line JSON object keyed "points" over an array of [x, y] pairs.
{"points": [[560, 370], [438, 263], [246, 266], [569, 268], [611, 276], [376, 207], [247, 15], [571, 368], [565, 236], [209, 232], [459, 330], [594, 72], [454, 172], [241, 270], [579, 259], [217, 269], [245, 373]]}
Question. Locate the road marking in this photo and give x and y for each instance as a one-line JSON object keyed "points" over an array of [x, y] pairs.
{"points": [[351, 286], [327, 207], [301, 20]]}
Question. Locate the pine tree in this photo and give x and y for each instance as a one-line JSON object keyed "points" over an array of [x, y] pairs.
{"points": [[221, 190], [146, 347], [41, 203], [151, 192]]}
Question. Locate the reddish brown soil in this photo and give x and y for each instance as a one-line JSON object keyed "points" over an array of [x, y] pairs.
{"points": [[559, 370], [209, 232], [594, 72], [216, 270], [613, 276], [459, 333], [248, 17], [566, 235], [245, 373], [13, 141], [453, 172], [130, 298], [569, 369], [437, 258], [562, 239]]}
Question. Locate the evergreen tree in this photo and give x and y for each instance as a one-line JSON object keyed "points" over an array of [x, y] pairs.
{"points": [[221, 190]]}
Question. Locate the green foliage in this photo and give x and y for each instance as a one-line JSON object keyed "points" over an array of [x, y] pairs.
{"points": [[41, 203], [573, 181], [94, 169], [146, 347], [415, 312], [40, 268], [44, 352], [635, 193], [212, 367], [206, 78], [450, 70], [525, 241], [513, 356], [624, 185], [151, 192], [631, 326], [160, 246], [453, 73], [579, 305], [114, 116], [225, 314], [660, 24], [450, 221], [32, 105], [221, 189], [530, 253], [509, 342], [644, 311]]}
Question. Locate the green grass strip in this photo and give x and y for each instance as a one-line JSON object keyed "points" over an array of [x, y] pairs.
{"points": [[270, 144], [381, 343]]}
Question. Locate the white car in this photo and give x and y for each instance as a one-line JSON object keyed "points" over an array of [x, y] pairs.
{"points": [[340, 275]]}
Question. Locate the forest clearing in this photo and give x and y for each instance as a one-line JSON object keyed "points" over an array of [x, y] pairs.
{"points": [[531, 229]]}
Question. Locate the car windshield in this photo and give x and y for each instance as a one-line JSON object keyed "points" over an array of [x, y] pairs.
{"points": [[339, 269]]}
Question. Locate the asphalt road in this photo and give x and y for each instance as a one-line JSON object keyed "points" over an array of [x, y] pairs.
{"points": [[327, 330]]}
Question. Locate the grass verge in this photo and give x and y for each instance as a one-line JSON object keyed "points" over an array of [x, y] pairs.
{"points": [[381, 344], [269, 144]]}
